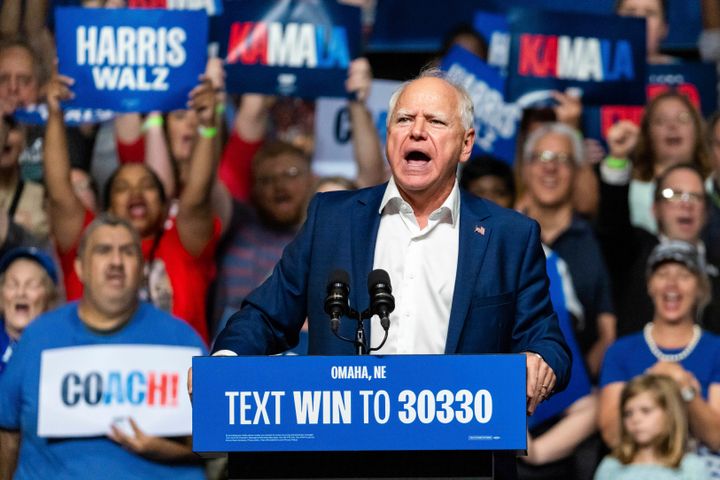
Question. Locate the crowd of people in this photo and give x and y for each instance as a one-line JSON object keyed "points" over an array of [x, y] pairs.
{"points": [[156, 228]]}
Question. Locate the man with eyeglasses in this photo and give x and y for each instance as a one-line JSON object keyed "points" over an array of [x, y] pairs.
{"points": [[551, 157], [282, 183], [680, 207]]}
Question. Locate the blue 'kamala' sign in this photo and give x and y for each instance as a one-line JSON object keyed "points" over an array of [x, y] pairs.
{"points": [[602, 56], [399, 402], [299, 49]]}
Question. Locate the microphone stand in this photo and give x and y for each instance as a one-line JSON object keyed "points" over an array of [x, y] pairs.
{"points": [[360, 341]]}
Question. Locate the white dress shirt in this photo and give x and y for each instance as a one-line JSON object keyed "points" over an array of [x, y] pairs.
{"points": [[422, 264]]}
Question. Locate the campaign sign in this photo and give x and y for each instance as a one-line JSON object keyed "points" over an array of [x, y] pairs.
{"points": [[38, 115], [131, 60], [211, 7], [333, 153], [300, 49], [602, 57], [697, 81], [359, 403], [496, 122], [84, 390], [496, 31]]}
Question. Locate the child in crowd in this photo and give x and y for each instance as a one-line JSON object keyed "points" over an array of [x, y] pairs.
{"points": [[654, 435]]}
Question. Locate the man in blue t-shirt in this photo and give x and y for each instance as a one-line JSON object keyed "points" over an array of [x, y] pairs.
{"points": [[109, 265]]}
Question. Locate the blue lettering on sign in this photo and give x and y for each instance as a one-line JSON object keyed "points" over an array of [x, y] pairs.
{"points": [[622, 64], [135, 391], [343, 129], [93, 389], [70, 392], [114, 391]]}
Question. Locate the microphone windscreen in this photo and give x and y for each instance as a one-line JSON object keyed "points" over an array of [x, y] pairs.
{"points": [[339, 276], [378, 276]]}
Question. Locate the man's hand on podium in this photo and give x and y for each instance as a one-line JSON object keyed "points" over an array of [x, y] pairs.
{"points": [[540, 380], [219, 353], [189, 383]]}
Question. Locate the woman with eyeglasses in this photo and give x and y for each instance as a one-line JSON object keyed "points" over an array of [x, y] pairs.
{"points": [[670, 133], [672, 344]]}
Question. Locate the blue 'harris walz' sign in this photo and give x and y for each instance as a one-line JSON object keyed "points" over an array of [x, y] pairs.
{"points": [[299, 49], [395, 402], [131, 60]]}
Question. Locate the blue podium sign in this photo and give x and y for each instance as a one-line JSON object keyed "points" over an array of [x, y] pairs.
{"points": [[367, 403]]}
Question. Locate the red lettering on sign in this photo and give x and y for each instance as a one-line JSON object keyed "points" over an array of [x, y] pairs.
{"points": [[538, 55], [247, 43]]}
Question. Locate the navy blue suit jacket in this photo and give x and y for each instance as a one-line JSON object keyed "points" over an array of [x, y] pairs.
{"points": [[500, 303]]}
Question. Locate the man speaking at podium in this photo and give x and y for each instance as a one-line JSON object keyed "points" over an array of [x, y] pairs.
{"points": [[469, 276]]}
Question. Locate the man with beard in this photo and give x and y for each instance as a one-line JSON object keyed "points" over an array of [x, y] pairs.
{"points": [[281, 187]]}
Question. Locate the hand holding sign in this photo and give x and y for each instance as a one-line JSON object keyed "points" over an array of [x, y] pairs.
{"points": [[569, 107], [203, 100], [359, 79], [57, 90], [148, 446], [622, 138]]}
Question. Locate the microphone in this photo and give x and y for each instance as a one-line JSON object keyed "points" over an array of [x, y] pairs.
{"points": [[336, 302], [382, 302]]}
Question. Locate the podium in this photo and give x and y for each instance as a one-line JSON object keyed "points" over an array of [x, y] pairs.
{"points": [[399, 416]]}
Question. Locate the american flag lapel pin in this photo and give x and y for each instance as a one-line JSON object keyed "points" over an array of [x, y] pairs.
{"points": [[480, 229]]}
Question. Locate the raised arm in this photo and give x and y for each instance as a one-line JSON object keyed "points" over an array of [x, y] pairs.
{"points": [[367, 149], [66, 210], [195, 219], [10, 15]]}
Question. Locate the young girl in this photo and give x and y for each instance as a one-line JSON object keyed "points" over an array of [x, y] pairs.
{"points": [[654, 435]]}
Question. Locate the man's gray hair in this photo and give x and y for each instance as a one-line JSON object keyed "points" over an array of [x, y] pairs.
{"points": [[560, 129], [108, 219], [465, 104]]}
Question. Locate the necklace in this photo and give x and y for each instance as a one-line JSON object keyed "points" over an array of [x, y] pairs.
{"points": [[671, 357]]}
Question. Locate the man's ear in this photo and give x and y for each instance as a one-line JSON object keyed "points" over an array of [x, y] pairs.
{"points": [[467, 146], [77, 265]]}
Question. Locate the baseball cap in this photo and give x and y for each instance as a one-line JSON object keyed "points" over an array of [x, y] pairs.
{"points": [[676, 251], [31, 253]]}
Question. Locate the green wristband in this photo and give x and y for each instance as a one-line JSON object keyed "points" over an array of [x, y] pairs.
{"points": [[152, 121], [616, 163], [207, 132]]}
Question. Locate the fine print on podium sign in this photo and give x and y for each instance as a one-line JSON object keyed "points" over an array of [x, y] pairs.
{"points": [[359, 403]]}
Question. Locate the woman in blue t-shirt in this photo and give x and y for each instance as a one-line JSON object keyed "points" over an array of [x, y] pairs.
{"points": [[672, 345]]}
